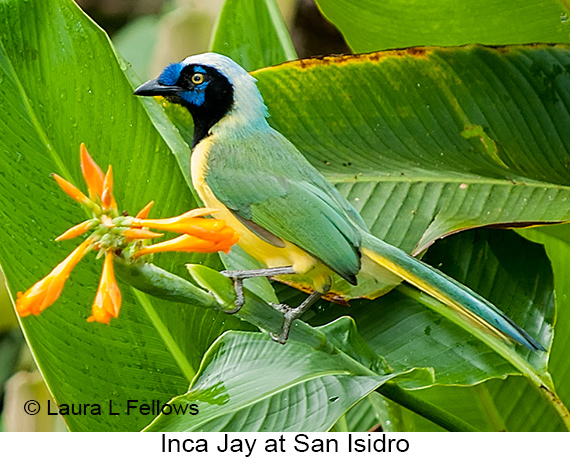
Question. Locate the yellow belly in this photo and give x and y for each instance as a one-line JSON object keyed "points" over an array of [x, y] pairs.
{"points": [[272, 256]]}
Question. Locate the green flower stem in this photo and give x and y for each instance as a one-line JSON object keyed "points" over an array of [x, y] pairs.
{"points": [[153, 280]]}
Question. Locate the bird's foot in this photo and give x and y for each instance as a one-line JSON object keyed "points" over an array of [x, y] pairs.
{"points": [[289, 315]]}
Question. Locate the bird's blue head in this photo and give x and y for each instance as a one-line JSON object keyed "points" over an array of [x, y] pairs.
{"points": [[189, 82], [212, 87], [203, 89]]}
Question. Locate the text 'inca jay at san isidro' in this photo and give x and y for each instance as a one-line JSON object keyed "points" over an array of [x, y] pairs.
{"points": [[288, 216]]}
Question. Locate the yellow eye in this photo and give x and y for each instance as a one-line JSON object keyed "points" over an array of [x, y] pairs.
{"points": [[197, 78]]}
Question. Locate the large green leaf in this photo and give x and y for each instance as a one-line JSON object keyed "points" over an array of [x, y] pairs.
{"points": [[62, 85], [556, 241], [309, 389], [252, 33], [451, 138], [369, 25]]}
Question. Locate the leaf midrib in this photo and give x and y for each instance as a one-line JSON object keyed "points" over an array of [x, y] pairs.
{"points": [[336, 179], [166, 336]]}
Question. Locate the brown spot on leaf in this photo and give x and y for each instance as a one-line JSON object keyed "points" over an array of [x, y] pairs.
{"points": [[417, 52]]}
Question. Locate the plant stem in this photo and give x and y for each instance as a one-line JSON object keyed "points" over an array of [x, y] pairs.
{"points": [[435, 414]]}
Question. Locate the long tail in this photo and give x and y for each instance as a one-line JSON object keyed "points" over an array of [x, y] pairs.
{"points": [[446, 290]]}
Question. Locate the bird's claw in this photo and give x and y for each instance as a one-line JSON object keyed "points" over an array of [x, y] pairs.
{"points": [[281, 338], [289, 315]]}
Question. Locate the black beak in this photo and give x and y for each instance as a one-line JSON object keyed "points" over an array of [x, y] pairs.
{"points": [[153, 87]]}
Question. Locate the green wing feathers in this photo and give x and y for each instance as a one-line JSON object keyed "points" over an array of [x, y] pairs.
{"points": [[269, 183], [303, 216], [298, 213]]}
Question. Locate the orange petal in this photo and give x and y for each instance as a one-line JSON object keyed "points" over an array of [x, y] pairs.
{"points": [[107, 302], [188, 223], [107, 198], [71, 190], [74, 231], [140, 234], [92, 174], [143, 213], [46, 291], [229, 238], [99, 315], [185, 243]]}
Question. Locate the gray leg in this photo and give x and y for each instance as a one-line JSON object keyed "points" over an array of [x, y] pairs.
{"points": [[239, 275], [290, 314], [244, 274]]}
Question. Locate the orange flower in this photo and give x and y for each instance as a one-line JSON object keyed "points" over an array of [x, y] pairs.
{"points": [[114, 235], [76, 230], [226, 238], [189, 223], [108, 299], [92, 174], [71, 190], [45, 292]]}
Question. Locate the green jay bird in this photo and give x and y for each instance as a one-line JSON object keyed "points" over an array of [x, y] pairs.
{"points": [[288, 216]]}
